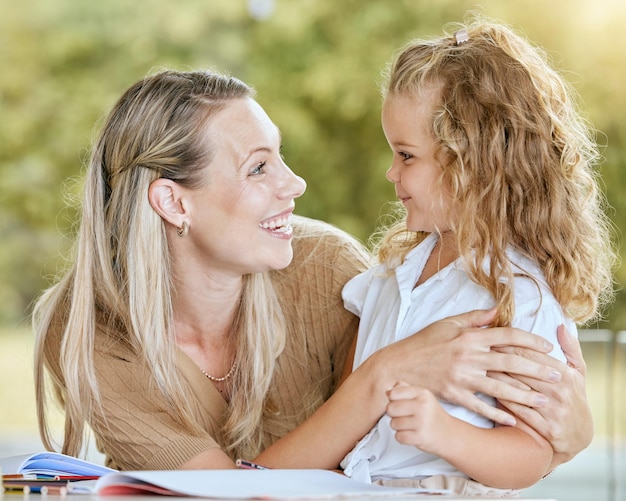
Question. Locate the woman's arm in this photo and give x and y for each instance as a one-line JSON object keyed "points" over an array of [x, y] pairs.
{"points": [[504, 457], [450, 357], [214, 459], [324, 438], [566, 420]]}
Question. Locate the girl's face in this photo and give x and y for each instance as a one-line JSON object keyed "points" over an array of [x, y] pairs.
{"points": [[240, 220], [414, 170]]}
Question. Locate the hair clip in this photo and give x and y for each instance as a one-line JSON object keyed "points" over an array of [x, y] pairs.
{"points": [[461, 36]]}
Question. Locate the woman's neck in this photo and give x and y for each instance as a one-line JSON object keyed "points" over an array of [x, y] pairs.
{"points": [[204, 308], [203, 329]]}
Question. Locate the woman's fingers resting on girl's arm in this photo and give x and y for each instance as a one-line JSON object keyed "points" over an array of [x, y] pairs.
{"points": [[566, 420]]}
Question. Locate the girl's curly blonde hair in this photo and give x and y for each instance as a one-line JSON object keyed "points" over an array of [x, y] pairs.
{"points": [[520, 162]]}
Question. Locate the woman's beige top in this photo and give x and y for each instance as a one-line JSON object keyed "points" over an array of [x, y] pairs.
{"points": [[141, 433]]}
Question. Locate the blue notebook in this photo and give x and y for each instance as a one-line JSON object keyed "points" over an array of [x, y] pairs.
{"points": [[51, 464]]}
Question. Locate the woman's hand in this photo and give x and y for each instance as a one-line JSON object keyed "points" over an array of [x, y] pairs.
{"points": [[566, 420], [452, 358]]}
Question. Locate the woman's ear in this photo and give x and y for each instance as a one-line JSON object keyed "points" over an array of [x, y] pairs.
{"points": [[165, 198]]}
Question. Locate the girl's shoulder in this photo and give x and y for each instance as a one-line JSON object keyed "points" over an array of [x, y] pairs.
{"points": [[529, 278]]}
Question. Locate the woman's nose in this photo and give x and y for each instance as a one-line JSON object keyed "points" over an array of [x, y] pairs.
{"points": [[293, 186]]}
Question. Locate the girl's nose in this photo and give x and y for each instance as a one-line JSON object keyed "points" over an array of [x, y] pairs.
{"points": [[392, 174]]}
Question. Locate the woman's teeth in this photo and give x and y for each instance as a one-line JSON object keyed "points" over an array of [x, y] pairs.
{"points": [[275, 223]]}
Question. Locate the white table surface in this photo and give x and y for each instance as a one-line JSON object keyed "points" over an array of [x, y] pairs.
{"points": [[94, 497]]}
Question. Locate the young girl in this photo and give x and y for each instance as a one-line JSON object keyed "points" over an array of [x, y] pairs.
{"points": [[494, 168]]}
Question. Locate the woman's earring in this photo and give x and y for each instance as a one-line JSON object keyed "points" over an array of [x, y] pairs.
{"points": [[183, 230]]}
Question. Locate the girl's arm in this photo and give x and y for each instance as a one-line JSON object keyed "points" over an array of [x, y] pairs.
{"points": [[503, 457]]}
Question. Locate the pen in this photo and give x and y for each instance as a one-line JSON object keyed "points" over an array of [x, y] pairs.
{"points": [[28, 489], [76, 478], [62, 491], [15, 482], [249, 465], [14, 489]]}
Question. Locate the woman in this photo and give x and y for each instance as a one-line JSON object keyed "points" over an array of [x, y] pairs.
{"points": [[200, 321]]}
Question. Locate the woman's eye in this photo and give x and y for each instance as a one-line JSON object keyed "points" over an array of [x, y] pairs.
{"points": [[258, 169], [404, 155]]}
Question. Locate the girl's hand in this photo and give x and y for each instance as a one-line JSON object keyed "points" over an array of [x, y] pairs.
{"points": [[565, 421], [416, 416], [452, 357]]}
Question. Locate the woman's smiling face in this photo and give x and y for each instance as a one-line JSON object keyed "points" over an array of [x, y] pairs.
{"points": [[240, 218]]}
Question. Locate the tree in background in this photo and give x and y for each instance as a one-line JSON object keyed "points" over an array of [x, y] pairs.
{"points": [[316, 65]]}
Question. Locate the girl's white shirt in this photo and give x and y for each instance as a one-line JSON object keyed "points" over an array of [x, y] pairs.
{"points": [[392, 308]]}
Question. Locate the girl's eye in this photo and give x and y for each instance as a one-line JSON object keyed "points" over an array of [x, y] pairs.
{"points": [[404, 155], [258, 169]]}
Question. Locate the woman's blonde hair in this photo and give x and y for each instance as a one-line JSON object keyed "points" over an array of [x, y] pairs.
{"points": [[520, 163], [120, 279]]}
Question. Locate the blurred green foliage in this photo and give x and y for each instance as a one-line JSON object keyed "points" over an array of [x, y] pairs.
{"points": [[316, 66]]}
